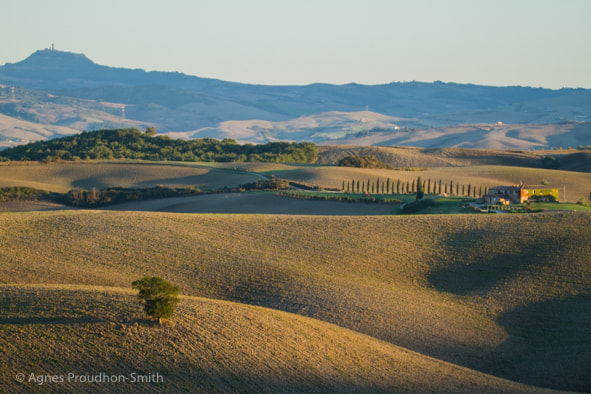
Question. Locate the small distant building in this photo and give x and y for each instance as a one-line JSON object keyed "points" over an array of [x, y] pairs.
{"points": [[518, 194]]}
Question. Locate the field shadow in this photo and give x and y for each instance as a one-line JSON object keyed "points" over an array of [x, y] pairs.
{"points": [[253, 203], [476, 261], [191, 180], [51, 320], [31, 306], [549, 344]]}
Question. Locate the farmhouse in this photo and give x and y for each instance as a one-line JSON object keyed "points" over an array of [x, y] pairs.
{"points": [[518, 194]]}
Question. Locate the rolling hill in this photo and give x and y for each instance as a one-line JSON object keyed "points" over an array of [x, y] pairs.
{"points": [[482, 292], [61, 177], [284, 295], [213, 346], [324, 294], [15, 132], [189, 105]]}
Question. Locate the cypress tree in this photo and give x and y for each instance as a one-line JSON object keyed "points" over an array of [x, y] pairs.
{"points": [[388, 186], [429, 187], [398, 186], [420, 188], [378, 186], [407, 187], [413, 186], [439, 187], [357, 185], [451, 187]]}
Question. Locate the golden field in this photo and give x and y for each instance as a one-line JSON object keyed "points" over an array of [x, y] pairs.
{"points": [[504, 295], [285, 295]]}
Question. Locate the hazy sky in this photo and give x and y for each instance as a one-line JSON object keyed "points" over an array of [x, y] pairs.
{"points": [[492, 42]]}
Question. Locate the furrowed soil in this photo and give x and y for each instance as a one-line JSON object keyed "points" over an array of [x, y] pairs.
{"points": [[505, 295], [256, 203], [74, 332]]}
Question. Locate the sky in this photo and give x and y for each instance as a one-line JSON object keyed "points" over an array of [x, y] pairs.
{"points": [[538, 43]]}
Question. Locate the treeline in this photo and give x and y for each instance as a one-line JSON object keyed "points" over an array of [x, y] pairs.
{"points": [[270, 184], [115, 195], [398, 186], [84, 198], [368, 161], [21, 193], [134, 144], [337, 197]]}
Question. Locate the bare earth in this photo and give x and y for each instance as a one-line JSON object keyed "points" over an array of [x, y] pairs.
{"points": [[249, 203]]}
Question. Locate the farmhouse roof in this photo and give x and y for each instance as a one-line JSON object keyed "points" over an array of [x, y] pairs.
{"points": [[535, 187]]}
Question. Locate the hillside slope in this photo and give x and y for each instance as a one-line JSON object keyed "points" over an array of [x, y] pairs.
{"points": [[484, 292], [480, 136], [413, 157], [15, 131], [61, 177], [183, 103], [213, 346]]}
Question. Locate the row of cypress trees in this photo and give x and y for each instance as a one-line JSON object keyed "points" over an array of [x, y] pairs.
{"points": [[398, 186]]}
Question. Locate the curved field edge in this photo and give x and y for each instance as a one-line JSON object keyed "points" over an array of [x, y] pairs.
{"points": [[466, 289], [61, 177], [210, 346], [575, 184]]}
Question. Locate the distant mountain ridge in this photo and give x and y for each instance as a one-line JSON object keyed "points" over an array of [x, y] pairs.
{"points": [[178, 103], [48, 69]]}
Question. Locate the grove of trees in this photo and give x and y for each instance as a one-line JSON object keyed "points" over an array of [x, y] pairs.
{"points": [[368, 161], [133, 144]]}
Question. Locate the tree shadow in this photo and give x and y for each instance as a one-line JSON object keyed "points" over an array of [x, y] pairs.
{"points": [[50, 320]]}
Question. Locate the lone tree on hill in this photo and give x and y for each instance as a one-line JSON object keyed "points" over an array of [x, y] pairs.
{"points": [[160, 296]]}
